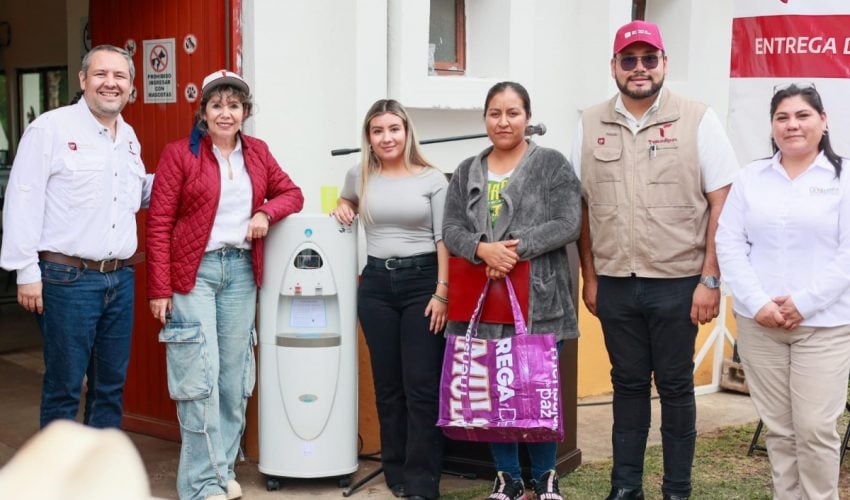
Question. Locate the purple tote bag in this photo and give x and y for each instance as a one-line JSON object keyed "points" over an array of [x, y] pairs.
{"points": [[505, 390]]}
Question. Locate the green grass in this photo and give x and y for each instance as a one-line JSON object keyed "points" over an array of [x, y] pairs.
{"points": [[722, 471]]}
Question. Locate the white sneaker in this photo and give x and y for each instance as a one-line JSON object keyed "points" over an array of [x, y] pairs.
{"points": [[233, 490], [217, 497]]}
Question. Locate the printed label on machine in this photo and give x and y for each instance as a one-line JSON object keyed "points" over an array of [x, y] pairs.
{"points": [[308, 312]]}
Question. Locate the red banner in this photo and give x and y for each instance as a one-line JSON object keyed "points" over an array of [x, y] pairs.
{"points": [[789, 46]]}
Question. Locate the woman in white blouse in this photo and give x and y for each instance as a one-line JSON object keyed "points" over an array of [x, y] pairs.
{"points": [[784, 249]]}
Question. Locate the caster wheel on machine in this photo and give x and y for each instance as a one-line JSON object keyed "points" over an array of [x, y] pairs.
{"points": [[272, 484]]}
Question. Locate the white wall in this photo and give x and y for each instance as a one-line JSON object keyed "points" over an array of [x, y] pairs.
{"points": [[698, 39], [317, 67]]}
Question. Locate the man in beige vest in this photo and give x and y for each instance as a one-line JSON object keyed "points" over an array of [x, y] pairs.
{"points": [[655, 170]]}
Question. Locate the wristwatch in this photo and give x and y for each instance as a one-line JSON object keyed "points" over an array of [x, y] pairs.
{"points": [[711, 282]]}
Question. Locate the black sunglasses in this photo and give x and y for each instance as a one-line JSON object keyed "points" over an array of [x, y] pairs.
{"points": [[628, 63]]}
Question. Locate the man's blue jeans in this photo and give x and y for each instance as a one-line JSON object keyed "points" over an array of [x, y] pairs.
{"points": [[86, 325], [210, 354], [648, 333]]}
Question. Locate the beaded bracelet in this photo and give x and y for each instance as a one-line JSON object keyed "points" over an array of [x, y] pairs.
{"points": [[440, 298]]}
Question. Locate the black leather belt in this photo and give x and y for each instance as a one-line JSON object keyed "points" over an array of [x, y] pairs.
{"points": [[101, 266], [428, 259]]}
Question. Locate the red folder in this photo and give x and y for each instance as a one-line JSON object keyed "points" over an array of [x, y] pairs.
{"points": [[466, 281]]}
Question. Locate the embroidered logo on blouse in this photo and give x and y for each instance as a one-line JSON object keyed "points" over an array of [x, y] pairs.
{"points": [[600, 141], [824, 191]]}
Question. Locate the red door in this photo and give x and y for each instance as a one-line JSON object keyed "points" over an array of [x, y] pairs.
{"points": [[178, 42]]}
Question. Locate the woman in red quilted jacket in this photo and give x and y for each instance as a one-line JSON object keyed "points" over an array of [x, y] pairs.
{"points": [[214, 197]]}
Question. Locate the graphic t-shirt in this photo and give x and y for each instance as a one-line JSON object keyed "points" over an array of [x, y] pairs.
{"points": [[495, 184]]}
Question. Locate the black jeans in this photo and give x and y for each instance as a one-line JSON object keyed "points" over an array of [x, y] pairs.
{"points": [[648, 332], [406, 366]]}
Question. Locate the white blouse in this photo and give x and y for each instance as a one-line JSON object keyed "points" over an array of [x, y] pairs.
{"points": [[779, 236], [234, 206]]}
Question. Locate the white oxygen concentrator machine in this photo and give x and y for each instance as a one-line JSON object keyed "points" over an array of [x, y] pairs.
{"points": [[308, 350]]}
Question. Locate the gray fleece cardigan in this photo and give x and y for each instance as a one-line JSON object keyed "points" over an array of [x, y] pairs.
{"points": [[542, 209]]}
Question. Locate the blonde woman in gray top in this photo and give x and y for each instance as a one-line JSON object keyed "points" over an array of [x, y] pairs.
{"points": [[402, 300]]}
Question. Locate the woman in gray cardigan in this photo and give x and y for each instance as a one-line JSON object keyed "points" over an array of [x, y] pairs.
{"points": [[517, 201]]}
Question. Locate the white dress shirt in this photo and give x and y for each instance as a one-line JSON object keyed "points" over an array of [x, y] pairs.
{"points": [[779, 236], [72, 190], [717, 160], [234, 206]]}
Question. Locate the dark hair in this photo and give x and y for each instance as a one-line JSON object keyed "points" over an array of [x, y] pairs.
{"points": [[813, 99], [516, 87], [221, 90]]}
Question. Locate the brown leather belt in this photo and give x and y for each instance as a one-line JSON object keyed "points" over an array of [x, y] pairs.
{"points": [[101, 266]]}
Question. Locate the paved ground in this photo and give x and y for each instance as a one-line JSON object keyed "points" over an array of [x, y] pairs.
{"points": [[20, 382], [19, 397], [594, 430]]}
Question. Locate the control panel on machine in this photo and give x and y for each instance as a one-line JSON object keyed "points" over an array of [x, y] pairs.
{"points": [[308, 276]]}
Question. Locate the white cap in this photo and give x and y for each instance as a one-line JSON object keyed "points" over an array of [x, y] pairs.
{"points": [[224, 77], [81, 463]]}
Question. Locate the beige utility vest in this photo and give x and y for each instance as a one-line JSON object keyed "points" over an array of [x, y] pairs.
{"points": [[647, 209]]}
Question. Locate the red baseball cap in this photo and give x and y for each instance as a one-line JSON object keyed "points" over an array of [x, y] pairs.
{"points": [[638, 31]]}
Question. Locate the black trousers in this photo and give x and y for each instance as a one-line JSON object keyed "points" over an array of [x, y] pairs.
{"points": [[649, 335], [406, 365]]}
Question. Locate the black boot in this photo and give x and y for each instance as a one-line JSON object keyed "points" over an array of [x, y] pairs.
{"points": [[625, 494]]}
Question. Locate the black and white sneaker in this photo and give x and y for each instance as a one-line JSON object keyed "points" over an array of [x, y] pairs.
{"points": [[546, 486], [507, 488]]}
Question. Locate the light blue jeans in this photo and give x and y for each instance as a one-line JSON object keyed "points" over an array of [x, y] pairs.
{"points": [[211, 373]]}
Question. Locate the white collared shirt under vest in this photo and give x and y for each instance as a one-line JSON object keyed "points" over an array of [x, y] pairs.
{"points": [[73, 190], [717, 161]]}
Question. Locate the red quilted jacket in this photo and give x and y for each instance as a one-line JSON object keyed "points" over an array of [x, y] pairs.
{"points": [[184, 201]]}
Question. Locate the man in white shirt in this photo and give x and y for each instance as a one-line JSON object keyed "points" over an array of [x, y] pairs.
{"points": [[655, 169], [69, 225]]}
